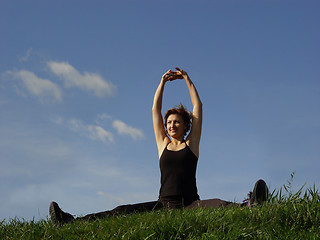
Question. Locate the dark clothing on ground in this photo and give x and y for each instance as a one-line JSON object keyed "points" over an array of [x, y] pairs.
{"points": [[157, 205]]}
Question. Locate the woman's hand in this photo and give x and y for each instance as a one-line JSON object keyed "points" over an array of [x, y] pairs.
{"points": [[168, 76], [173, 75], [180, 74]]}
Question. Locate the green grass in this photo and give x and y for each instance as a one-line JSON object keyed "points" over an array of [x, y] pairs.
{"points": [[294, 216]]}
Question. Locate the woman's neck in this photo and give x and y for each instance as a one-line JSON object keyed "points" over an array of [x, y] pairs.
{"points": [[177, 142]]}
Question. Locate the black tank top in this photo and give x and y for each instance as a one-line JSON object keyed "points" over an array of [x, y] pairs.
{"points": [[178, 174]]}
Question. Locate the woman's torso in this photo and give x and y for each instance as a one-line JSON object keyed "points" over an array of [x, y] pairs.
{"points": [[178, 174]]}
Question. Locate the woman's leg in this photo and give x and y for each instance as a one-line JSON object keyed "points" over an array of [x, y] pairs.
{"points": [[125, 209], [259, 196], [210, 203]]}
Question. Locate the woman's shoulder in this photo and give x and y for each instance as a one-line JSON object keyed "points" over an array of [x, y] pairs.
{"points": [[194, 147], [162, 145]]}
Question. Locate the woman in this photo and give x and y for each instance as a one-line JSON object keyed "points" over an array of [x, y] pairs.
{"points": [[178, 156]]}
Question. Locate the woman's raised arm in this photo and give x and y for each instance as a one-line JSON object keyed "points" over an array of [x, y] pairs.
{"points": [[158, 126], [194, 136]]}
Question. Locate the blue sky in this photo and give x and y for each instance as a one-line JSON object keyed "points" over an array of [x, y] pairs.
{"points": [[77, 80]]}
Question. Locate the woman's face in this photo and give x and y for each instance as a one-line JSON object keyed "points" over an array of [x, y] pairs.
{"points": [[175, 126]]}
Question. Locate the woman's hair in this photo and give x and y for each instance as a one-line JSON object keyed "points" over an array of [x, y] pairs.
{"points": [[183, 112]]}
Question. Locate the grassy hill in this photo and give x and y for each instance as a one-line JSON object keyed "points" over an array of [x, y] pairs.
{"points": [[295, 216]]}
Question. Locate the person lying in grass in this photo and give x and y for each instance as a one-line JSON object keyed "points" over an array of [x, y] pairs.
{"points": [[178, 138]]}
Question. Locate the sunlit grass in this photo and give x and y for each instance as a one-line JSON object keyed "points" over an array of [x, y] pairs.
{"points": [[286, 215]]}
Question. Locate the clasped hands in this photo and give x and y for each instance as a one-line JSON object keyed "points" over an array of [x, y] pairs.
{"points": [[173, 75]]}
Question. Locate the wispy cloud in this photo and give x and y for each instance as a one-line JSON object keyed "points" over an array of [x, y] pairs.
{"points": [[124, 129], [37, 86], [26, 57], [88, 81], [94, 132]]}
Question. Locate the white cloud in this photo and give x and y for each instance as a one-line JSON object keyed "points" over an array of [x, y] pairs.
{"points": [[87, 81], [98, 133], [38, 86], [102, 118], [124, 129], [91, 131], [26, 57]]}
